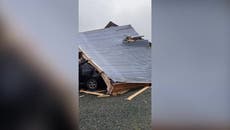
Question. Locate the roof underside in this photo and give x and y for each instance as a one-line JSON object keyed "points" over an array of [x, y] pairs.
{"points": [[121, 62]]}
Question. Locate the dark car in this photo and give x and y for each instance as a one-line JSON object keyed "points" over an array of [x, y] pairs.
{"points": [[89, 78]]}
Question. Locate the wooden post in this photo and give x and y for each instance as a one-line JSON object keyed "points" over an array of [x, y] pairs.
{"points": [[137, 93], [93, 93]]}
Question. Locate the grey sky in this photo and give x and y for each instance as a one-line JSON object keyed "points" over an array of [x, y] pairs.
{"points": [[95, 14]]}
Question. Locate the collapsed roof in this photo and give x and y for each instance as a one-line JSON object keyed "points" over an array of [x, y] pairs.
{"points": [[121, 61]]}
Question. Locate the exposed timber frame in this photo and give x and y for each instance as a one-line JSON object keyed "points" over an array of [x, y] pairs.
{"points": [[107, 80]]}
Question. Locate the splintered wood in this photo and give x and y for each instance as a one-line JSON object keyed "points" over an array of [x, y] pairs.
{"points": [[137, 93]]}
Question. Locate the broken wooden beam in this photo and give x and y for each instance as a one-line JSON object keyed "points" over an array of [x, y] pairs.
{"points": [[93, 93], [102, 96], [137, 93]]}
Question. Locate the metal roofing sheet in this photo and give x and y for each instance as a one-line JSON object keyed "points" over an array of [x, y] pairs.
{"points": [[121, 62]]}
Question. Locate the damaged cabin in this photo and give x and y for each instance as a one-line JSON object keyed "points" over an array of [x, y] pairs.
{"points": [[119, 55]]}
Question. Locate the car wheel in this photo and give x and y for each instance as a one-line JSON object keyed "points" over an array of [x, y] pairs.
{"points": [[92, 84]]}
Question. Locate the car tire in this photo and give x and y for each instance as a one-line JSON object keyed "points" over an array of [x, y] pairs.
{"points": [[92, 84]]}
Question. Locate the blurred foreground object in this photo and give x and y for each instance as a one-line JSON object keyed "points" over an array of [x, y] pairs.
{"points": [[32, 96], [191, 65]]}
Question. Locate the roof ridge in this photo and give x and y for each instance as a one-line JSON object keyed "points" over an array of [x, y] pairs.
{"points": [[106, 28]]}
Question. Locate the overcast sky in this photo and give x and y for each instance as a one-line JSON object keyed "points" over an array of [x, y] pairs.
{"points": [[96, 14]]}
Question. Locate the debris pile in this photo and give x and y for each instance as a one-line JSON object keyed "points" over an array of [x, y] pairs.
{"points": [[119, 55]]}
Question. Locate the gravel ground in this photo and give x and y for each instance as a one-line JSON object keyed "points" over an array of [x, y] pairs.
{"points": [[116, 113]]}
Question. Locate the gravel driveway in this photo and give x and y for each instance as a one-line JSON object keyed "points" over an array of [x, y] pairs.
{"points": [[115, 113]]}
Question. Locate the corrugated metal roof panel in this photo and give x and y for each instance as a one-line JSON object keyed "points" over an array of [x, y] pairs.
{"points": [[121, 62]]}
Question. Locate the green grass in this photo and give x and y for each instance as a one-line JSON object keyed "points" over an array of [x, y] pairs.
{"points": [[116, 113]]}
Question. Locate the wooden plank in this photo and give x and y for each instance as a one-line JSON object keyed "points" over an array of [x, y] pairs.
{"points": [[137, 93], [93, 93], [105, 95]]}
